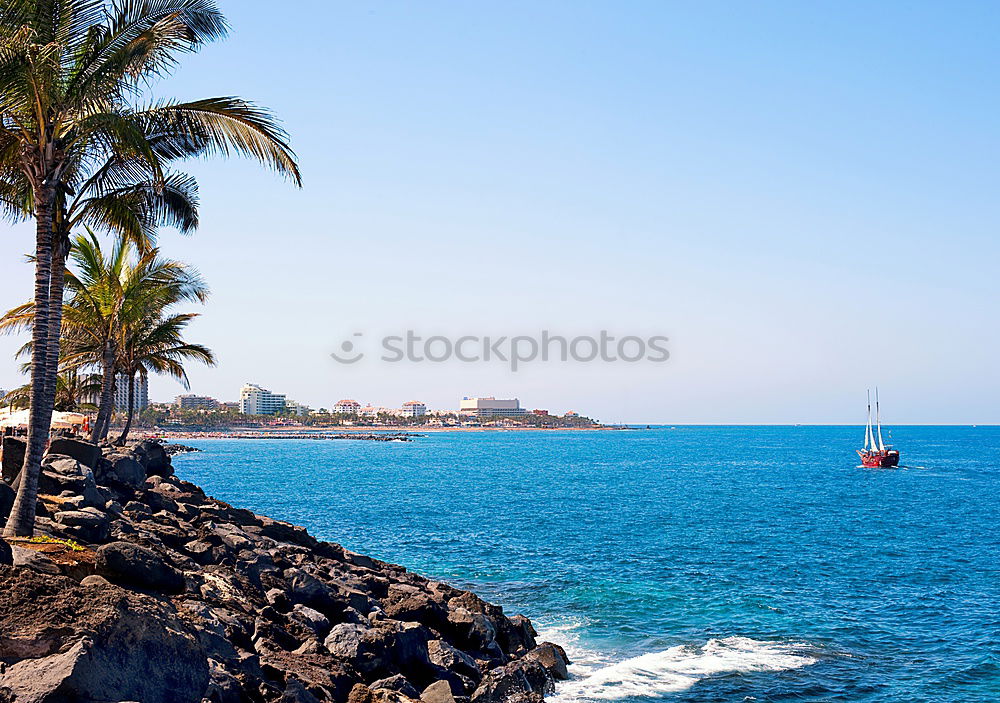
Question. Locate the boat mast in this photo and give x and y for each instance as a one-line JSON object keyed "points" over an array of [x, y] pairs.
{"points": [[878, 422], [869, 438]]}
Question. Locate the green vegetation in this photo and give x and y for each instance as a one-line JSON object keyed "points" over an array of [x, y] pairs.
{"points": [[68, 543], [81, 145]]}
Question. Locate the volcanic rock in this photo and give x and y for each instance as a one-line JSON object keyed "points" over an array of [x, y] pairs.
{"points": [[134, 565]]}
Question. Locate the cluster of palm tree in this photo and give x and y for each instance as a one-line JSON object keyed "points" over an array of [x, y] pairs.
{"points": [[75, 390], [117, 319], [81, 144]]}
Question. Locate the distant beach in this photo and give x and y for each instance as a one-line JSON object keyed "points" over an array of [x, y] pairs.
{"points": [[306, 432]]}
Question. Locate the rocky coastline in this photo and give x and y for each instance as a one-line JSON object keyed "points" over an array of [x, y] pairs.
{"points": [[139, 587]]}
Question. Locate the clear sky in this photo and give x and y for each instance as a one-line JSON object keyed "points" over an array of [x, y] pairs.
{"points": [[802, 196]]}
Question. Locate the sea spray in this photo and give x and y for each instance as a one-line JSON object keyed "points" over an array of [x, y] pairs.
{"points": [[681, 667]]}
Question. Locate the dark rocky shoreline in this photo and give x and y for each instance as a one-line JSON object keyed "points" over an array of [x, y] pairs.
{"points": [[145, 589]]}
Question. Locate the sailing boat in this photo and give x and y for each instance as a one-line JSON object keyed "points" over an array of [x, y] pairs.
{"points": [[875, 454]]}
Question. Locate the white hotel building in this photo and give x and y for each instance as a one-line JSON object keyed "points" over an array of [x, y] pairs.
{"points": [[255, 400], [413, 408], [347, 407], [491, 407], [140, 399]]}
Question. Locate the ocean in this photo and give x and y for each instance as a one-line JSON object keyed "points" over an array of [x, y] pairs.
{"points": [[692, 564]]}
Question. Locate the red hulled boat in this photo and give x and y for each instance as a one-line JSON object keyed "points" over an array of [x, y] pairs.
{"points": [[875, 454]]}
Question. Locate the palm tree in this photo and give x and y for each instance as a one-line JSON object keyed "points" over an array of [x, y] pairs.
{"points": [[109, 296], [71, 76], [74, 391], [156, 344], [113, 299]]}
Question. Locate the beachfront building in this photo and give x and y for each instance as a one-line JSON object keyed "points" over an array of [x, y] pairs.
{"points": [[297, 408], [491, 407], [195, 402], [140, 400], [413, 408], [347, 407], [255, 400]]}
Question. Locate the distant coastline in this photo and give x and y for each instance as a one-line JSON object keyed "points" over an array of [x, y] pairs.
{"points": [[295, 431]]}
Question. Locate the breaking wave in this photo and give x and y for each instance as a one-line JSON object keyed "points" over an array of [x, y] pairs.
{"points": [[672, 670]]}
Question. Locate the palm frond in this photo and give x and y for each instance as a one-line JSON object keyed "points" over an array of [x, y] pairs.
{"points": [[224, 126]]}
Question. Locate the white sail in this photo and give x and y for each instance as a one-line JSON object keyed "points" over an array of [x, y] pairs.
{"points": [[878, 423]]}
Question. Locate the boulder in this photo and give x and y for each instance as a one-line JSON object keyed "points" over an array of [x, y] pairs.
{"points": [[519, 635], [295, 692], [448, 657], [345, 640], [438, 692], [333, 599], [406, 602], [86, 453], [7, 496], [524, 679], [383, 650], [95, 581], [553, 658], [472, 630], [65, 642], [6, 555], [62, 474], [13, 458], [123, 468], [130, 564], [310, 619], [320, 674], [89, 524], [153, 457], [396, 682]]}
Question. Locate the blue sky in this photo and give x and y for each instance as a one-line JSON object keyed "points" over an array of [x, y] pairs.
{"points": [[802, 196]]}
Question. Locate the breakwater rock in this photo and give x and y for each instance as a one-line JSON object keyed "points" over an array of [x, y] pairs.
{"points": [[139, 587]]}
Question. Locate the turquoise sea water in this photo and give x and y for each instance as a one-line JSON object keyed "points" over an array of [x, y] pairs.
{"points": [[688, 564]]}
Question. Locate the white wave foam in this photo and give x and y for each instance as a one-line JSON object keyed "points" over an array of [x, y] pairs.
{"points": [[679, 668]]}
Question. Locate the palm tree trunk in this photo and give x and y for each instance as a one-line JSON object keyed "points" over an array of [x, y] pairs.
{"points": [[57, 280], [131, 411], [105, 408], [21, 522]]}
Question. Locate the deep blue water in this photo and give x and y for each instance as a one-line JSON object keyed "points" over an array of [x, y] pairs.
{"points": [[687, 564]]}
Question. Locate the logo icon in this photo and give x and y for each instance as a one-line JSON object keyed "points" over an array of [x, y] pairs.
{"points": [[347, 354]]}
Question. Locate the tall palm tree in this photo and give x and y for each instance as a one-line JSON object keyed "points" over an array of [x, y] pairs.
{"points": [[156, 343], [112, 298], [72, 73]]}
